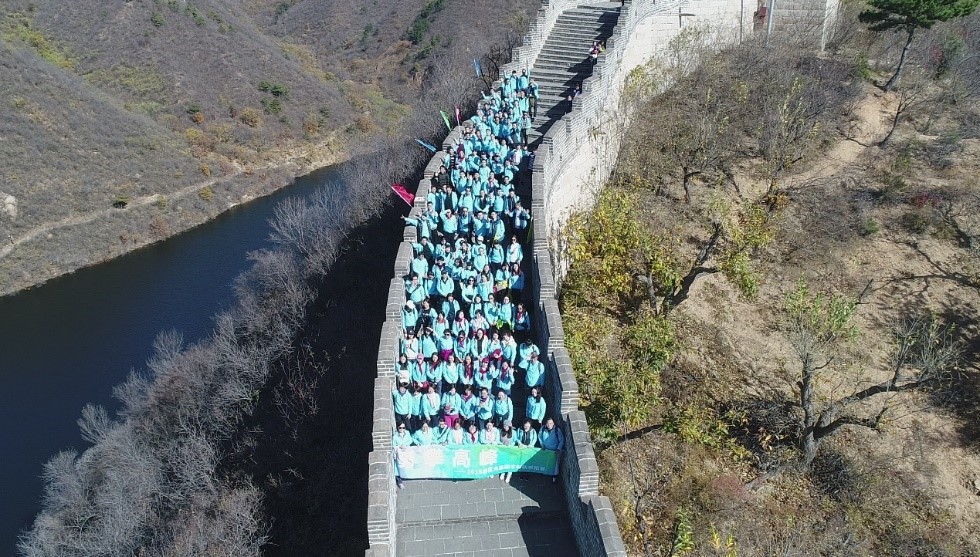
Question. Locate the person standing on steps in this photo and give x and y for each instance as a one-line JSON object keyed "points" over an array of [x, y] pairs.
{"points": [[552, 439]]}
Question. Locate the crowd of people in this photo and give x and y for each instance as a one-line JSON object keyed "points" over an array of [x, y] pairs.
{"points": [[466, 349]]}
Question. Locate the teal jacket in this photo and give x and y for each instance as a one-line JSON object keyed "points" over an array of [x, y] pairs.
{"points": [[430, 409], [504, 408], [536, 409], [553, 440], [535, 374], [454, 401], [402, 439], [422, 438], [401, 403], [467, 407], [527, 438], [484, 408], [441, 434]]}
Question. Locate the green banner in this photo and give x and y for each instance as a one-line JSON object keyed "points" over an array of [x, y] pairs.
{"points": [[472, 461]]}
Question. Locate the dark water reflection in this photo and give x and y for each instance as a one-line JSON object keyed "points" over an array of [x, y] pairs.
{"points": [[67, 342]]}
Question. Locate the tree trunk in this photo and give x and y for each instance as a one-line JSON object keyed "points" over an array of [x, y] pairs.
{"points": [[809, 443], [901, 62], [687, 184]]}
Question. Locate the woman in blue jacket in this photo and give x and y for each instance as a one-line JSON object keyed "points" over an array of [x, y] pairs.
{"points": [[484, 285], [535, 372], [536, 407], [456, 436], [410, 317], [503, 409], [468, 291], [505, 380], [417, 416], [445, 336], [485, 375], [401, 404], [484, 408], [451, 404], [402, 438], [433, 373], [424, 436], [526, 436], [450, 371], [430, 405]]}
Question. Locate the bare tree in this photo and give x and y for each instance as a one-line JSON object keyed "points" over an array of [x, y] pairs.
{"points": [[924, 354]]}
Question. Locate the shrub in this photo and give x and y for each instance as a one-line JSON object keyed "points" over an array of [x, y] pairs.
{"points": [[272, 106], [869, 227], [206, 194], [157, 19], [250, 117], [276, 89]]}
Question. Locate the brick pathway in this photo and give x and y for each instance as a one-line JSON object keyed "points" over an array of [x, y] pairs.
{"points": [[528, 517], [485, 518]]}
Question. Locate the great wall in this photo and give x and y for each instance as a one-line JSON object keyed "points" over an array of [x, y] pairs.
{"points": [[576, 151]]}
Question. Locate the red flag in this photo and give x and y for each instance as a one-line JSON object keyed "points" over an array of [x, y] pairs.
{"points": [[407, 196], [458, 120]]}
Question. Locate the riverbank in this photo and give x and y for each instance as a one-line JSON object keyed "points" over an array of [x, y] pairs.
{"points": [[64, 246]]}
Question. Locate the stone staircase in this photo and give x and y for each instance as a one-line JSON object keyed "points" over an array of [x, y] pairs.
{"points": [[564, 60]]}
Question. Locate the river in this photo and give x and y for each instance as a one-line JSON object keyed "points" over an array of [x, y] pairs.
{"points": [[67, 342]]}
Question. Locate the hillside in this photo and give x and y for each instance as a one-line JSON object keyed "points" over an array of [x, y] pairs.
{"points": [[127, 121], [772, 315]]}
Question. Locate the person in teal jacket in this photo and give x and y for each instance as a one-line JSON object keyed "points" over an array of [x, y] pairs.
{"points": [[551, 437], [503, 409], [445, 335], [419, 265], [417, 416], [485, 376], [450, 370], [505, 314], [484, 408], [401, 403], [451, 404], [456, 436], [535, 372], [430, 405], [505, 380], [428, 344], [410, 316], [433, 373], [536, 407], [524, 351], [489, 435], [424, 436], [468, 404], [402, 438], [472, 436], [441, 433], [415, 290], [526, 436], [445, 286]]}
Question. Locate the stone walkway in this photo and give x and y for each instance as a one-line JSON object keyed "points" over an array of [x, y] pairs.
{"points": [[528, 517], [485, 518]]}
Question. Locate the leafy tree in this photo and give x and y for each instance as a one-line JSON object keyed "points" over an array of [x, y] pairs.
{"points": [[924, 353], [909, 16]]}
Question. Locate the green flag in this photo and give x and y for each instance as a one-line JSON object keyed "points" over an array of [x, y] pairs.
{"points": [[446, 120]]}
